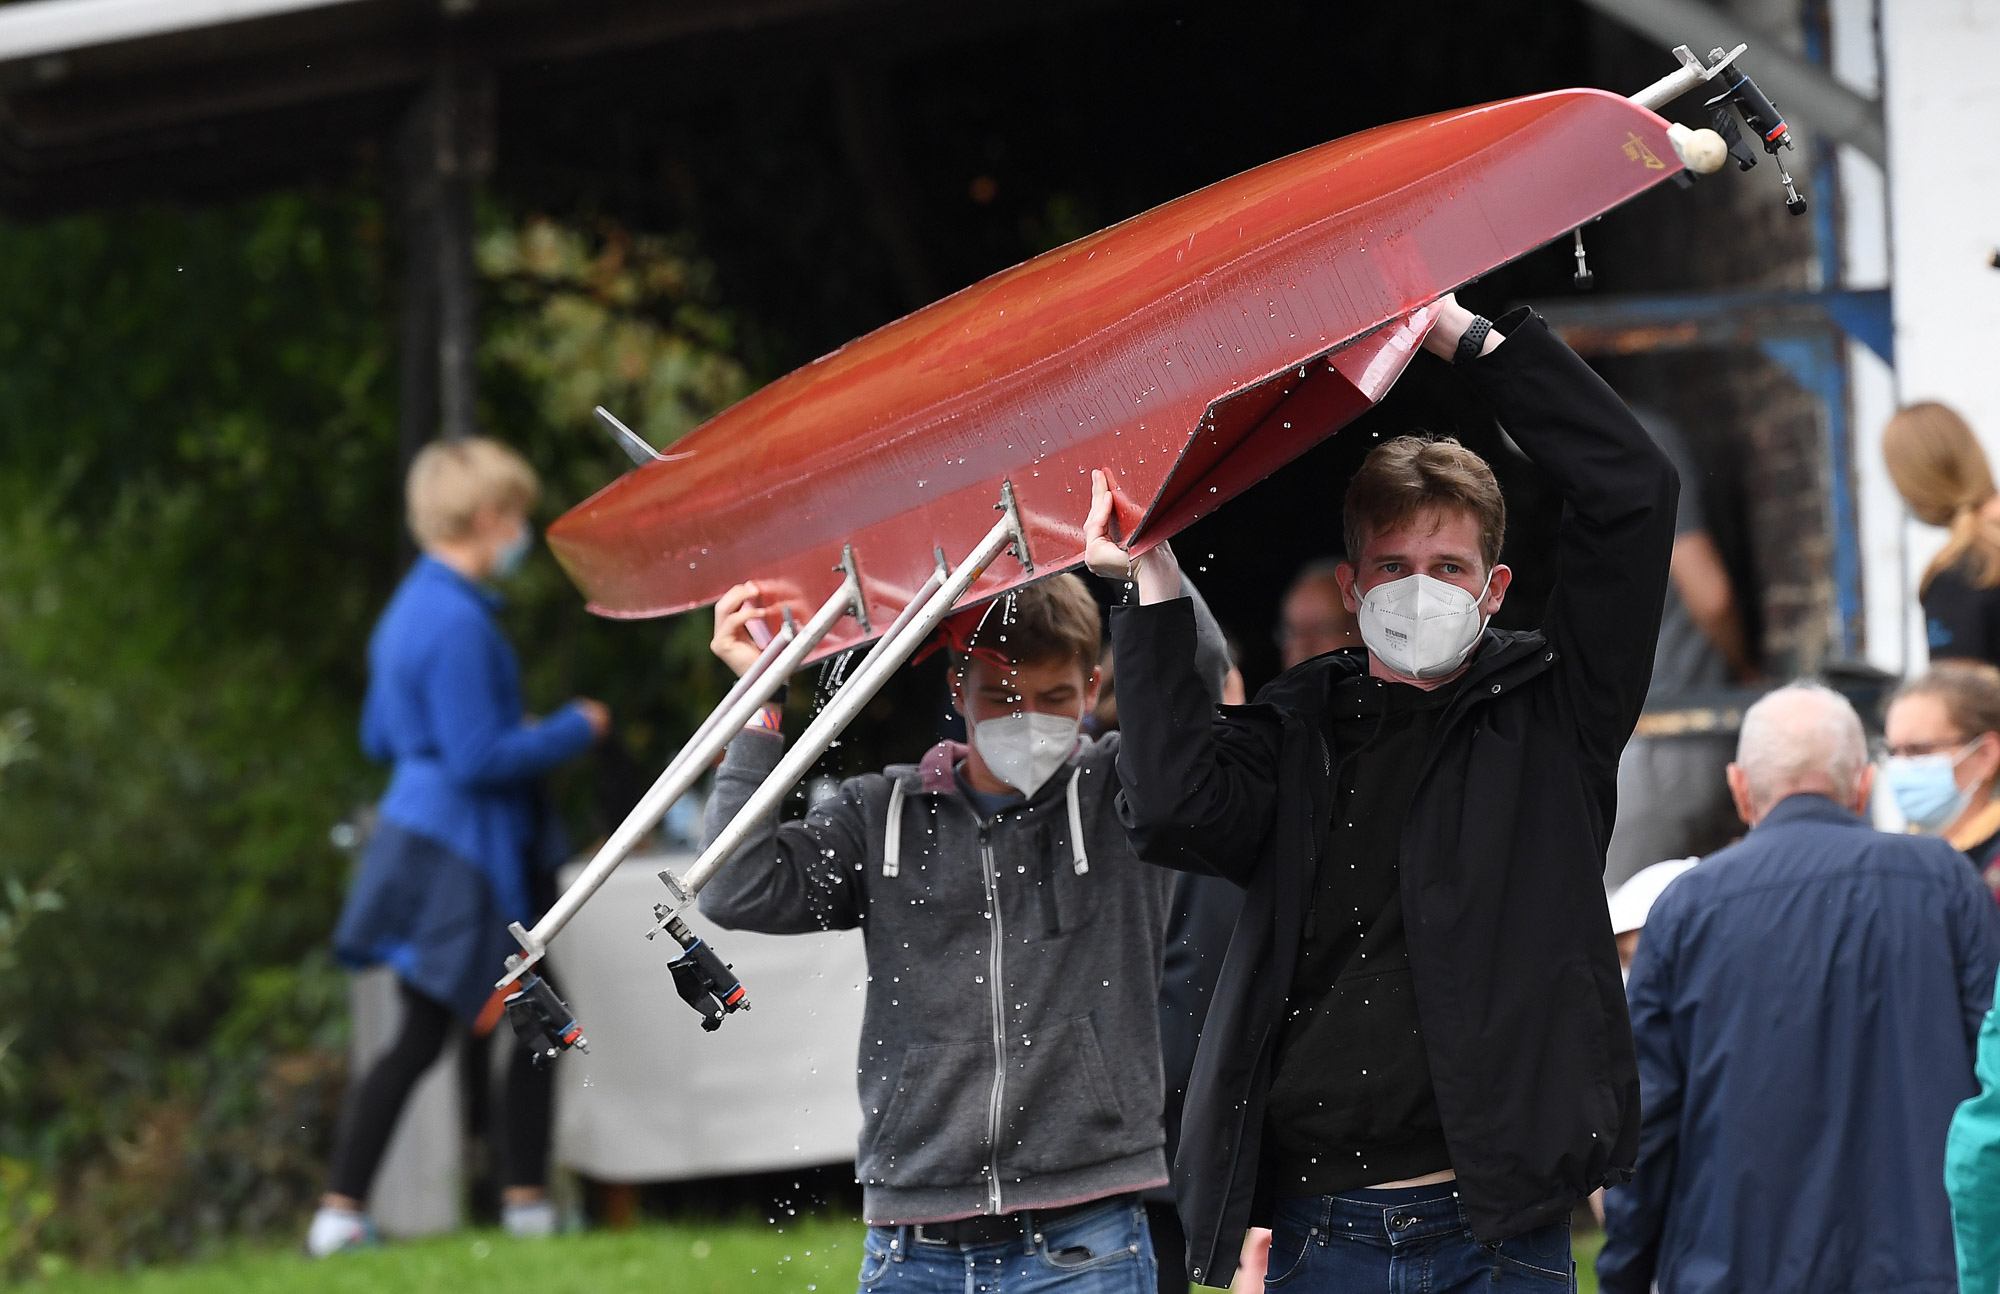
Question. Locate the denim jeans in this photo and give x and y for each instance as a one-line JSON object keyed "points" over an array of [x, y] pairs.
{"points": [[1097, 1251], [1413, 1240]]}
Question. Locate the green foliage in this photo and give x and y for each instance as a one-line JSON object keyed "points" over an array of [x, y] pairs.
{"points": [[19, 905], [609, 319], [199, 521], [577, 318], [186, 794]]}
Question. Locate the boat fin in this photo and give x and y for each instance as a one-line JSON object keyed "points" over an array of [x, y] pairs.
{"points": [[631, 442]]}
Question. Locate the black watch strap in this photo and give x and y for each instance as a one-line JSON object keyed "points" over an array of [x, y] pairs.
{"points": [[1474, 339]]}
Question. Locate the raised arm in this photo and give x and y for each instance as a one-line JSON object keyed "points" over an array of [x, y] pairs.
{"points": [[796, 877], [1197, 788], [787, 879], [1617, 535]]}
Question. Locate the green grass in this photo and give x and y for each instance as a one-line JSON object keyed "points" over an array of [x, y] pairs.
{"points": [[1586, 1246], [720, 1258], [806, 1254]]}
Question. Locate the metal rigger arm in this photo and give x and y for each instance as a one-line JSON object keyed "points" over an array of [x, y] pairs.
{"points": [[540, 1016], [1703, 152], [701, 978]]}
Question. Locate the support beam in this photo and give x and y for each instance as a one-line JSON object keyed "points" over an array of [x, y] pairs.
{"points": [[1797, 86], [1674, 321], [445, 147]]}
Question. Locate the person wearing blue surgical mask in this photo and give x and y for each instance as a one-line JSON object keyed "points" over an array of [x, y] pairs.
{"points": [[461, 845], [1943, 765]]}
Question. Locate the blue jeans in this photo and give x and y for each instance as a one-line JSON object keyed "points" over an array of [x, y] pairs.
{"points": [[1413, 1240], [1097, 1251]]}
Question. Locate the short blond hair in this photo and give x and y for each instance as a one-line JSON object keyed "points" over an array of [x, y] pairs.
{"points": [[451, 480]]}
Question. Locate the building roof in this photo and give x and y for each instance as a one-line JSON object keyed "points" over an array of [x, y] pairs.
{"points": [[39, 28], [106, 101]]}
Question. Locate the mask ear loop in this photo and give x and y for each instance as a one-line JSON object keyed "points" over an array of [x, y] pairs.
{"points": [[1480, 601], [1959, 758]]}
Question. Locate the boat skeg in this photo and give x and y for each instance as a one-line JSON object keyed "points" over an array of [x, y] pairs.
{"points": [[1189, 351]]}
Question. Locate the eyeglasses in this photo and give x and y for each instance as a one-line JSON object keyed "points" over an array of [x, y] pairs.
{"points": [[1918, 749]]}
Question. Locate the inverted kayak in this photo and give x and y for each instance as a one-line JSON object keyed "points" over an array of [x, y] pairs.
{"points": [[1190, 351]]}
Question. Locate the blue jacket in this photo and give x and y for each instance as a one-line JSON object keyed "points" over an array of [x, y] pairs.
{"points": [[444, 706], [1805, 1004]]}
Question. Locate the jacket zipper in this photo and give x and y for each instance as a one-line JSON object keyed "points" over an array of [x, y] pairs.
{"points": [[992, 878]]}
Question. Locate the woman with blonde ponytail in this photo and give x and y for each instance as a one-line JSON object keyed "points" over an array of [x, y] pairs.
{"points": [[1942, 473]]}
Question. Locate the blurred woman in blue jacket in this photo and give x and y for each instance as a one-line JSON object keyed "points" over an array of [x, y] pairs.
{"points": [[460, 832]]}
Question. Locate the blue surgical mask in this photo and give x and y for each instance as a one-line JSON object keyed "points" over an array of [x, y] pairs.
{"points": [[508, 560], [1926, 788]]}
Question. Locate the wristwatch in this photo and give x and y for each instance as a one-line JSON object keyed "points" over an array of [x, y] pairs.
{"points": [[1473, 340]]}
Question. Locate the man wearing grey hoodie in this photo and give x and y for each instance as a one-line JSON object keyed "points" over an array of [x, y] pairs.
{"points": [[1009, 1070]]}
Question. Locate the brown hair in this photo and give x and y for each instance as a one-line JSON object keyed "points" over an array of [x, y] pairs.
{"points": [[1941, 472], [1410, 475], [451, 480], [1969, 690], [1052, 619]]}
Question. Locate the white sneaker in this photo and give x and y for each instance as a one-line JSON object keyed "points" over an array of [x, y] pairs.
{"points": [[336, 1230], [532, 1221]]}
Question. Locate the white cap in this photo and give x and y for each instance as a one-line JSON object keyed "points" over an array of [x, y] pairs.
{"points": [[1635, 898]]}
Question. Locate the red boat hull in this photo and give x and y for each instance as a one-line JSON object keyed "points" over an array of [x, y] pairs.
{"points": [[1189, 351]]}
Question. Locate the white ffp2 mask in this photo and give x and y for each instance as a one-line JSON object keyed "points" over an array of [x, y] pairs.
{"points": [[1025, 749], [1422, 627]]}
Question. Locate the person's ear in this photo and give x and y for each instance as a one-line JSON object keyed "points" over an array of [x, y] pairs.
{"points": [[1983, 760], [1350, 596], [1496, 590], [1864, 790], [1091, 687], [1739, 791]]}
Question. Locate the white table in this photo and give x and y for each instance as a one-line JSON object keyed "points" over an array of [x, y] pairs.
{"points": [[659, 1100]]}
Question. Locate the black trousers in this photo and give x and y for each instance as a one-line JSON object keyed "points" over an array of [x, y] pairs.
{"points": [[370, 1113]]}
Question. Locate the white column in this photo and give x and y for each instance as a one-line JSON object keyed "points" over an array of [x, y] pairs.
{"points": [[1888, 595], [1943, 109]]}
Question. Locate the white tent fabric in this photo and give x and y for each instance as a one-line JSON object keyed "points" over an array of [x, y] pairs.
{"points": [[659, 1100]]}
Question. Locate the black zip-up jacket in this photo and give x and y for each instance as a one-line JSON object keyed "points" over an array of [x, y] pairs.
{"points": [[1512, 961]]}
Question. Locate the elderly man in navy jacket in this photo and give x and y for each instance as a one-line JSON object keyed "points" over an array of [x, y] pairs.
{"points": [[1805, 1004]]}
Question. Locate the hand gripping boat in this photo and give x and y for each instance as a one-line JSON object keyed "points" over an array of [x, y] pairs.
{"points": [[1189, 352]]}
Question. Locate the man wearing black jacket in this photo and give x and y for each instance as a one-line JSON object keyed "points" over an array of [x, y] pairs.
{"points": [[1418, 1041]]}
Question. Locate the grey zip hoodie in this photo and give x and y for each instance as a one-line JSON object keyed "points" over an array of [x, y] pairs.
{"points": [[1010, 1051], [1010, 1045]]}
